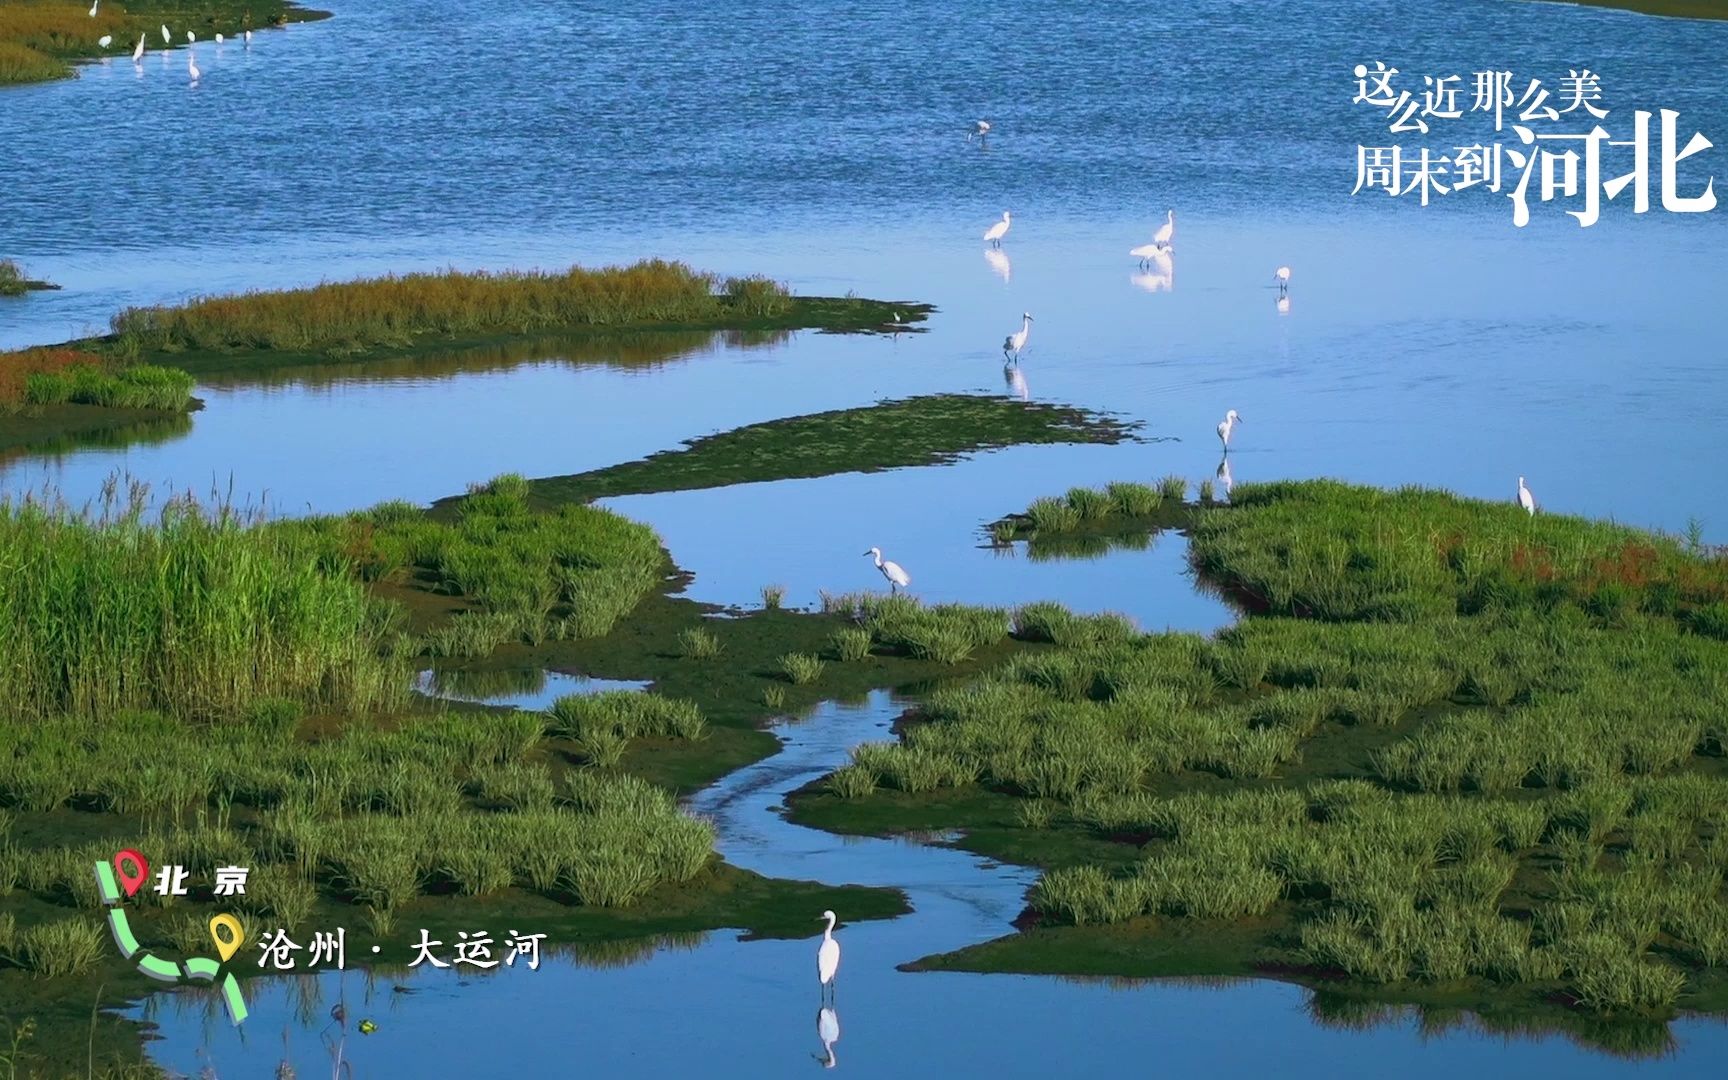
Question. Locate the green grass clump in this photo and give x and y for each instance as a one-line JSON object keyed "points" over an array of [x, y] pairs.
{"points": [[1088, 505], [773, 596], [852, 782], [801, 668], [1133, 500], [63, 947], [850, 644], [1173, 488], [142, 386], [626, 714], [1052, 515], [698, 643]]}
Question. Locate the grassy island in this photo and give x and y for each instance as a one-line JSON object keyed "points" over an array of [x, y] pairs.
{"points": [[1454, 754], [406, 318]]}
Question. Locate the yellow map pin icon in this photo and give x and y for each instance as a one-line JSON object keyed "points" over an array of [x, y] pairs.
{"points": [[226, 948]]}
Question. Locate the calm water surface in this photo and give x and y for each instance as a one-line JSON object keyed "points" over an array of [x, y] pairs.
{"points": [[1436, 346]]}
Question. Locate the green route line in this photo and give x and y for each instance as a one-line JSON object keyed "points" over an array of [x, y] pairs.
{"points": [[199, 968]]}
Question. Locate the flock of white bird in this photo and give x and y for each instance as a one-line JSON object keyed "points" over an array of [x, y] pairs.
{"points": [[193, 71]]}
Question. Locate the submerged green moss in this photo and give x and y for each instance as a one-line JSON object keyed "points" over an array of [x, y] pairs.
{"points": [[930, 430]]}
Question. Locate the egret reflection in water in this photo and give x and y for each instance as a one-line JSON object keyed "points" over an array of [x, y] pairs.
{"points": [[998, 260], [1225, 480], [827, 1030], [1015, 379]]}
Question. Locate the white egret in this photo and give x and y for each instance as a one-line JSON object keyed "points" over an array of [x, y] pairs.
{"points": [[220, 39], [1525, 499], [93, 8], [828, 1030], [1282, 277], [191, 37], [105, 40], [996, 232], [1015, 379], [1225, 428], [980, 128], [828, 953], [998, 260], [1146, 252], [1165, 237], [192, 68], [248, 39], [897, 577], [1013, 343], [138, 53], [165, 38]]}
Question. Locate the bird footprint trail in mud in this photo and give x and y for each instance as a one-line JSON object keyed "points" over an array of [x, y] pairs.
{"points": [[957, 898]]}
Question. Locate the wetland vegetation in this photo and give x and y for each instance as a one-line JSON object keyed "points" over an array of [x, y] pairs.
{"points": [[40, 39], [225, 690], [12, 279], [1453, 752], [928, 430], [152, 355]]}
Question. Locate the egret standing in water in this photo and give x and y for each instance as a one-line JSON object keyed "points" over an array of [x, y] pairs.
{"points": [[192, 68], [165, 38], [996, 232], [191, 37], [828, 1030], [1225, 428], [897, 578], [248, 39], [980, 128], [1165, 237], [1525, 499], [1282, 277], [828, 953], [1013, 343], [1146, 253], [138, 53]]}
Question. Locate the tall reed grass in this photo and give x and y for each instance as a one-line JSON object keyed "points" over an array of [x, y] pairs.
{"points": [[197, 610], [354, 316]]}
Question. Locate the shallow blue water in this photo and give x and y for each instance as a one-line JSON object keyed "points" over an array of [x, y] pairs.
{"points": [[1436, 346]]}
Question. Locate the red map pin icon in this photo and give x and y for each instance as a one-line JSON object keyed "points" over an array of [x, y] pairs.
{"points": [[130, 881]]}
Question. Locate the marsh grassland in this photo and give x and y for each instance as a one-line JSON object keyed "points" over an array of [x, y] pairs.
{"points": [[1453, 754], [148, 361], [40, 39], [236, 692]]}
